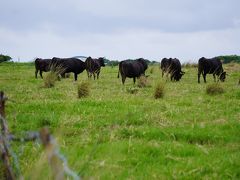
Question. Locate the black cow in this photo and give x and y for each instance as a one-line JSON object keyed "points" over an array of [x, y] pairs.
{"points": [[173, 67], [210, 66], [66, 65], [42, 65], [132, 69], [93, 66]]}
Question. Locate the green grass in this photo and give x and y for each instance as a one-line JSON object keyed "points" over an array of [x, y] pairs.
{"points": [[112, 133]]}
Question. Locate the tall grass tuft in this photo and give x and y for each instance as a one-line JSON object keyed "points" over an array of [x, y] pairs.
{"points": [[50, 79], [142, 82], [83, 89], [159, 90], [53, 75], [214, 88]]}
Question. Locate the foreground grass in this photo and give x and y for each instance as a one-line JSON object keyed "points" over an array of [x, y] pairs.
{"points": [[115, 134]]}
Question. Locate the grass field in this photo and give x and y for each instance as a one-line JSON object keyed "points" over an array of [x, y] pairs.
{"points": [[187, 134]]}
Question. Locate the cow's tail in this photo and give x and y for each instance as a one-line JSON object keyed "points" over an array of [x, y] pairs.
{"points": [[120, 64], [37, 64]]}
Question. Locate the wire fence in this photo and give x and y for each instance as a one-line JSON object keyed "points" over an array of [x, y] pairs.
{"points": [[11, 168]]}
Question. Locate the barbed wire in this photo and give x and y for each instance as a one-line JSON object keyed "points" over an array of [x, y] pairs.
{"points": [[57, 161]]}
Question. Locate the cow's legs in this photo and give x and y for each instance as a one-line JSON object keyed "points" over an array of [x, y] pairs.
{"points": [[36, 72], [123, 79], [162, 73], [167, 76], [75, 76], [204, 77], [88, 74], [41, 74], [199, 77], [63, 75], [134, 80], [214, 77], [98, 74], [94, 75], [172, 77]]}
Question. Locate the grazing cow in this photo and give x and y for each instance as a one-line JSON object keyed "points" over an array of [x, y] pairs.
{"points": [[132, 69], [211, 66], [67, 65], [173, 67], [42, 65], [93, 66]]}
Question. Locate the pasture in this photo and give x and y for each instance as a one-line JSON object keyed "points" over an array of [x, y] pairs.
{"points": [[114, 134]]}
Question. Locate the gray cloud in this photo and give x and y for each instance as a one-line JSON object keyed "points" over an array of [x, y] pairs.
{"points": [[153, 28]]}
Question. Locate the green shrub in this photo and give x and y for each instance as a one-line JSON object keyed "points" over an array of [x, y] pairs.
{"points": [[214, 88], [83, 89], [159, 91]]}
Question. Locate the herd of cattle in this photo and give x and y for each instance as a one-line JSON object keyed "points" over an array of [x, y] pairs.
{"points": [[129, 68]]}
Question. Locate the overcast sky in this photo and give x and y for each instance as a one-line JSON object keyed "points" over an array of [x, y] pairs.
{"points": [[119, 29]]}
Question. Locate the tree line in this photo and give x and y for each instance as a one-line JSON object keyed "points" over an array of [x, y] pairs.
{"points": [[230, 58]]}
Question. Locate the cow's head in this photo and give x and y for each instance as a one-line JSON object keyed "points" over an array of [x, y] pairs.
{"points": [[178, 76], [37, 59], [223, 76], [143, 62], [89, 58], [101, 60]]}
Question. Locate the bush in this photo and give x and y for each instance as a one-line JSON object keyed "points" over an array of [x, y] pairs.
{"points": [[214, 88], [159, 91], [83, 89]]}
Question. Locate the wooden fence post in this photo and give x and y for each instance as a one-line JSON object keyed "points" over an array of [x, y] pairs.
{"points": [[5, 154], [2, 103], [50, 149]]}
